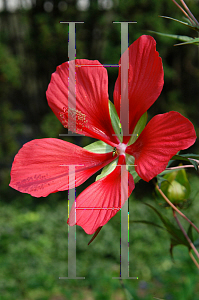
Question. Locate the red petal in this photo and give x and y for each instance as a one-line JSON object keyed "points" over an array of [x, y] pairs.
{"points": [[162, 138], [145, 79], [97, 204], [40, 167], [88, 100]]}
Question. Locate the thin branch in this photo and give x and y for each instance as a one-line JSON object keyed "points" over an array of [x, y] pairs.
{"points": [[180, 167], [175, 208], [194, 260], [189, 12], [184, 12], [185, 234]]}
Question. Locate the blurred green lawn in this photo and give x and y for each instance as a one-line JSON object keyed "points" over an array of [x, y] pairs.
{"points": [[34, 255], [33, 232]]}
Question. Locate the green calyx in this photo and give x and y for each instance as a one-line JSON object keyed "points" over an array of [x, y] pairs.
{"points": [[101, 147], [138, 128], [107, 169], [115, 121]]}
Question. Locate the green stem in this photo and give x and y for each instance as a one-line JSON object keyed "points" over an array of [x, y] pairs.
{"points": [[175, 208], [194, 260], [180, 167], [185, 234]]}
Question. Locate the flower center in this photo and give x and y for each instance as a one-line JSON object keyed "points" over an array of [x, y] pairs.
{"points": [[121, 149]]}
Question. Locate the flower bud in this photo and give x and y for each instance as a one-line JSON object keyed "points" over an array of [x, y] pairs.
{"points": [[176, 186]]}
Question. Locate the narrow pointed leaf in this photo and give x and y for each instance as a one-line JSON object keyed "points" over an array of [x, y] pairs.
{"points": [[115, 121], [167, 172], [192, 158], [181, 22], [171, 251], [160, 179], [130, 161], [182, 38], [95, 234], [190, 234], [99, 147], [193, 41], [147, 222], [175, 233], [138, 128], [195, 156], [179, 157], [135, 175], [107, 169]]}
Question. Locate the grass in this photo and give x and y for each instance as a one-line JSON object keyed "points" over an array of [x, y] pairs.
{"points": [[34, 255]]}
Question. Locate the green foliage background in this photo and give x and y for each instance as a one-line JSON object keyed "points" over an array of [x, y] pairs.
{"points": [[33, 231]]}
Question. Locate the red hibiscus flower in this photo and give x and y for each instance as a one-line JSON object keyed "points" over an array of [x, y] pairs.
{"points": [[42, 166]]}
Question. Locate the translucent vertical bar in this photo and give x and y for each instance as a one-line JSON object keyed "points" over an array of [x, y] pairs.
{"points": [[71, 126], [71, 229], [71, 41], [124, 237], [124, 119], [124, 108], [71, 99], [71, 80], [124, 245]]}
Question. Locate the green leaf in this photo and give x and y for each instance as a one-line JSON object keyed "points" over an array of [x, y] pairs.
{"points": [[193, 41], [179, 157], [135, 175], [182, 38], [107, 169], [194, 163], [115, 121], [130, 160], [99, 147], [176, 234], [167, 172], [196, 243], [181, 22], [190, 234], [146, 222], [192, 158], [138, 128], [191, 155], [160, 179]]}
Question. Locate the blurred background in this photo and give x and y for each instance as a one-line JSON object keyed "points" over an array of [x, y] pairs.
{"points": [[33, 231]]}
